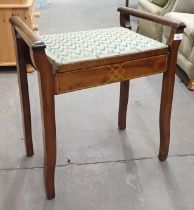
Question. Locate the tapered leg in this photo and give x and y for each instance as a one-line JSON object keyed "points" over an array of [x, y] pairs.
{"points": [[49, 148], [49, 153], [165, 112], [49, 132], [167, 92], [47, 92], [46, 88], [124, 95], [24, 95]]}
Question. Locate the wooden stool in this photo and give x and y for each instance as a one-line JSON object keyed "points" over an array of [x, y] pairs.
{"points": [[79, 60]]}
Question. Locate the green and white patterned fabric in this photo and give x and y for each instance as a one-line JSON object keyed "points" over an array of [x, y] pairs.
{"points": [[87, 45]]}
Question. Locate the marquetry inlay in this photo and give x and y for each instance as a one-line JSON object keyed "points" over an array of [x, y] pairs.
{"points": [[116, 73]]}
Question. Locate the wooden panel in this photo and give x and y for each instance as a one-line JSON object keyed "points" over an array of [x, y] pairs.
{"points": [[7, 53], [13, 1], [91, 77]]}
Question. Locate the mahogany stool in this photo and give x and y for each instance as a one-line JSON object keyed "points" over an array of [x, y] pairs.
{"points": [[79, 60]]}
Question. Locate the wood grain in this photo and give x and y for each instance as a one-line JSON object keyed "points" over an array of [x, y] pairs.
{"points": [[23, 9], [91, 77], [151, 17], [123, 102], [46, 87], [16, 4], [167, 95], [24, 94]]}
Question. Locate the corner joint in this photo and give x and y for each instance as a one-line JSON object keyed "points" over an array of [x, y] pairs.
{"points": [[38, 44]]}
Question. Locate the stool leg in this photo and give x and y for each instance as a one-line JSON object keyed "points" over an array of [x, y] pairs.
{"points": [[49, 131], [124, 95], [167, 93], [165, 112], [24, 95]]}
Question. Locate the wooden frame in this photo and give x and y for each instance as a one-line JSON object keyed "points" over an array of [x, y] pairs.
{"points": [[30, 49]]}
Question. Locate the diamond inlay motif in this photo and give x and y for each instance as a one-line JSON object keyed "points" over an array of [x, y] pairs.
{"points": [[116, 73]]}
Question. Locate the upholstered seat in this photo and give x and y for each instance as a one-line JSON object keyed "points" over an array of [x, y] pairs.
{"points": [[73, 47]]}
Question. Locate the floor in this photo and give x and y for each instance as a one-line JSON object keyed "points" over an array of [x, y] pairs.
{"points": [[108, 169]]}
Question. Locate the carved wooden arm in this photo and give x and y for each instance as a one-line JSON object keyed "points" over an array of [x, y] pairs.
{"points": [[147, 16], [28, 44], [177, 28], [26, 33]]}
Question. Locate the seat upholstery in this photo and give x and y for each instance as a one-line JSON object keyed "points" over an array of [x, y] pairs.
{"points": [[94, 44]]}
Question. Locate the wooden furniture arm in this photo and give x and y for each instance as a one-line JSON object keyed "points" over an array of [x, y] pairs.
{"points": [[151, 17], [26, 33]]}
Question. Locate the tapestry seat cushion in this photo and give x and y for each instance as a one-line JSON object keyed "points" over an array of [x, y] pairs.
{"points": [[94, 44]]}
